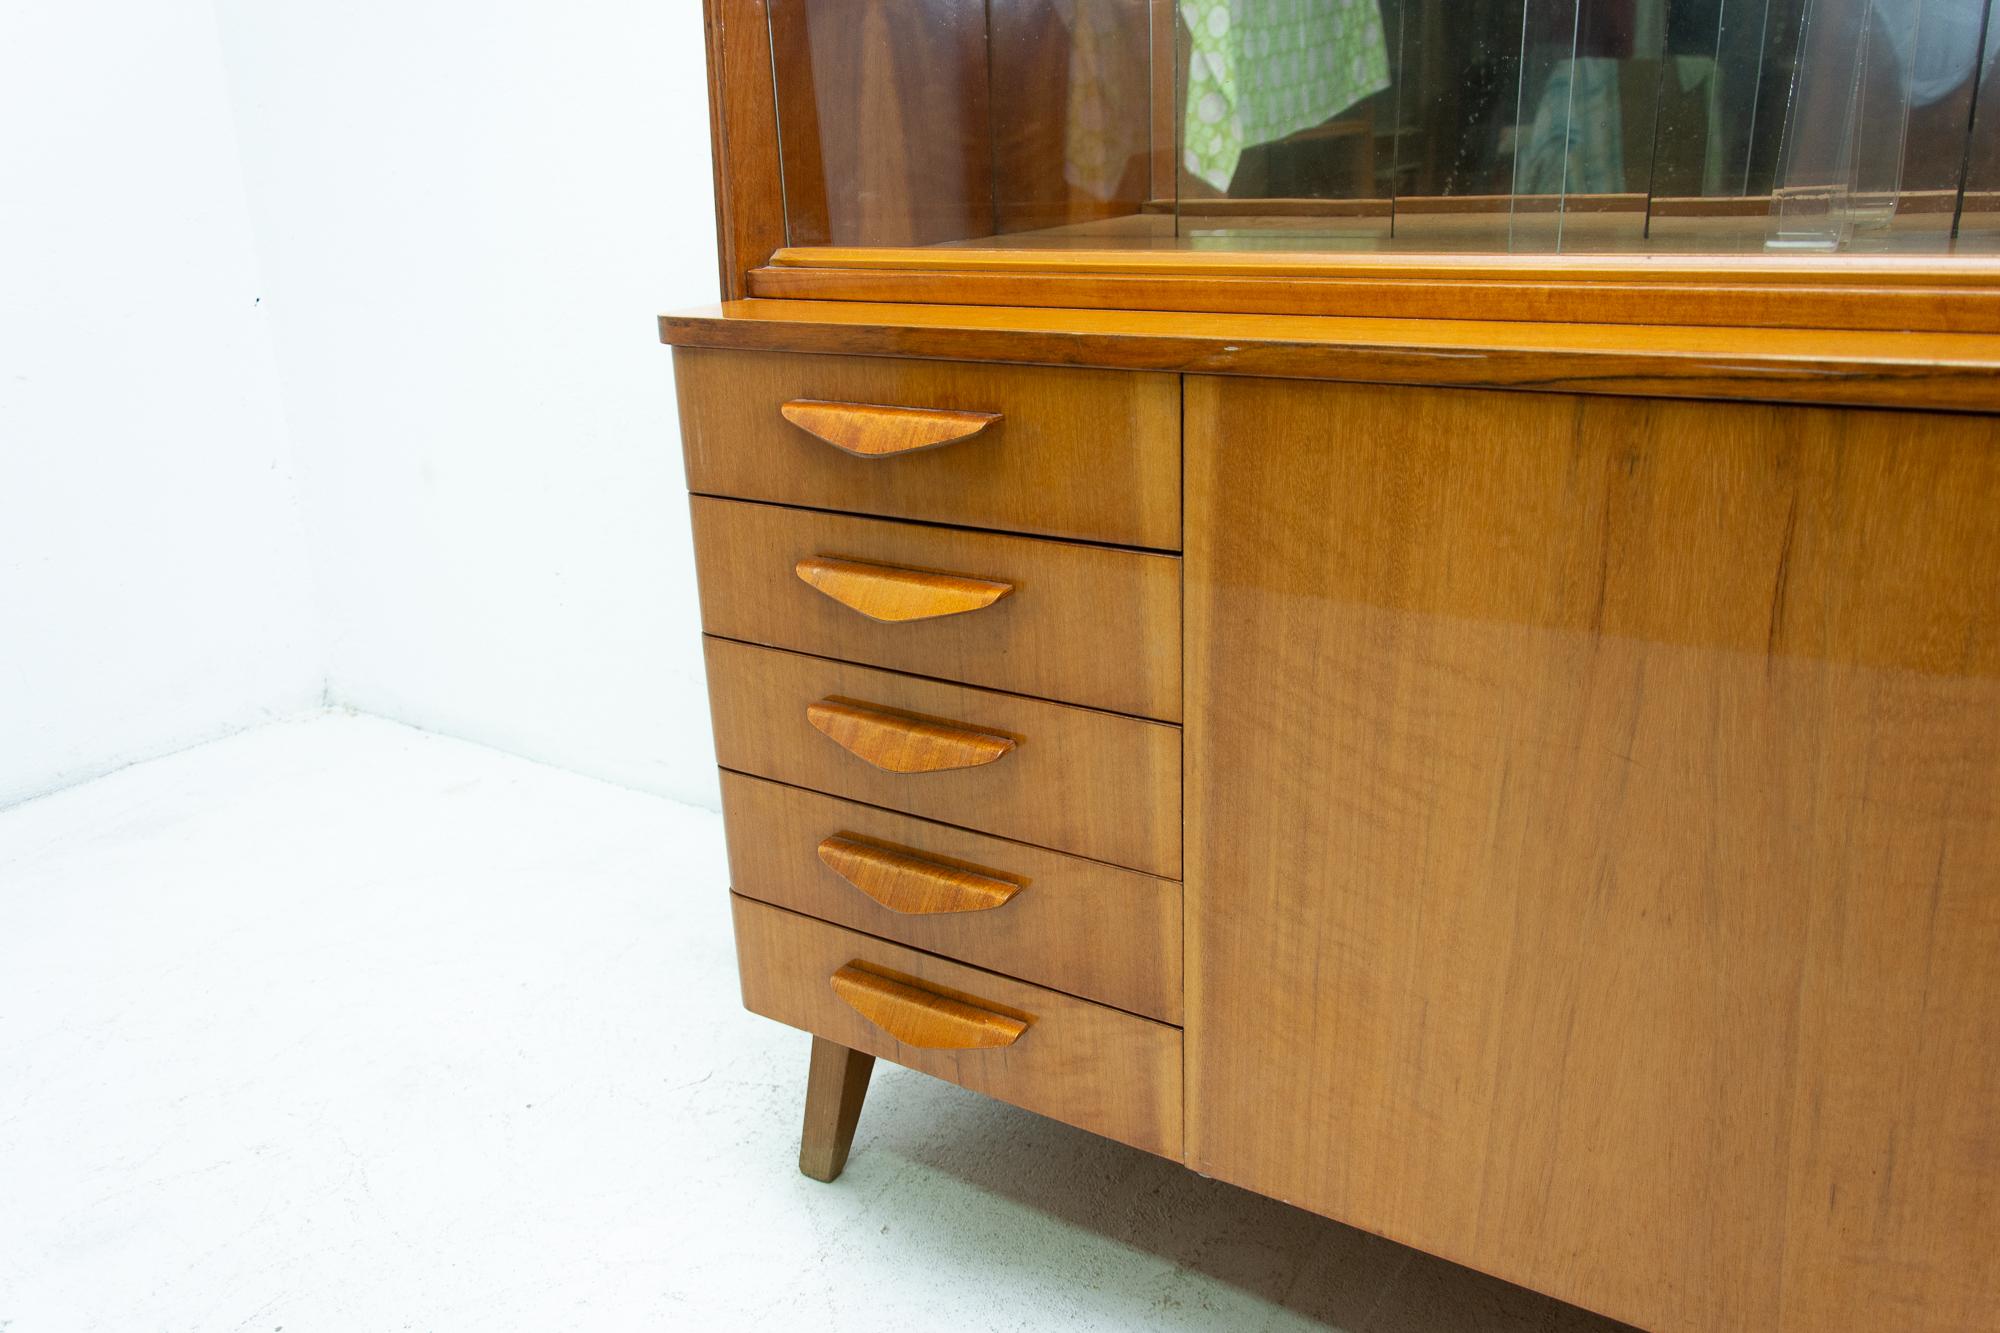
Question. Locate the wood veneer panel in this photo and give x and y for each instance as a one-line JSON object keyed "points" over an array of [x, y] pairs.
{"points": [[1830, 306], [1106, 1071], [1076, 453], [1080, 781], [1960, 271], [1080, 926], [1931, 370], [1082, 624], [1594, 843], [743, 134]]}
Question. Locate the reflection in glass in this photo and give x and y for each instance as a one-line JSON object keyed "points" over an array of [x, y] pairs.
{"points": [[1488, 125]]}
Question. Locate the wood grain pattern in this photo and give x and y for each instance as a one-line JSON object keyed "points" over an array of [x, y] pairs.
{"points": [[1086, 454], [893, 594], [1093, 930], [802, 163], [1083, 624], [836, 1085], [1969, 272], [898, 742], [1927, 370], [924, 1018], [1080, 926], [1091, 1066], [910, 884], [743, 134], [1939, 309], [1594, 831], [872, 430], [1089, 783]]}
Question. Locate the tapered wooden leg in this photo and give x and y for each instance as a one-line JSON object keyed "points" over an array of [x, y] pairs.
{"points": [[834, 1090]]}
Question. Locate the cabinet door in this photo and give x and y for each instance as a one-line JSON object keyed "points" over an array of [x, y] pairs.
{"points": [[1593, 872]]}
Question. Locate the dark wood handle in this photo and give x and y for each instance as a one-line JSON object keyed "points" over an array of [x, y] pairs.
{"points": [[903, 742], [892, 593], [913, 885], [919, 1017], [867, 430]]}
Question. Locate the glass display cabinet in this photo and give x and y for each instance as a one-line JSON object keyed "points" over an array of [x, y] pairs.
{"points": [[1394, 600], [1784, 163], [1499, 126]]}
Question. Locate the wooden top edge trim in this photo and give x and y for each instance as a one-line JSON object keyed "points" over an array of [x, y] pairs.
{"points": [[1936, 371], [722, 326], [1933, 271]]}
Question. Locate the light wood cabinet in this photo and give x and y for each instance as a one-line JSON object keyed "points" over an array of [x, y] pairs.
{"points": [[1594, 840], [1591, 823], [1499, 750], [1082, 624]]}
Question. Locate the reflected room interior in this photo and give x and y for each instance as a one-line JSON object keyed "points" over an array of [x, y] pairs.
{"points": [[1727, 127]]}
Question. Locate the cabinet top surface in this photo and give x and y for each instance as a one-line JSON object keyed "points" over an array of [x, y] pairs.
{"points": [[1944, 371]]}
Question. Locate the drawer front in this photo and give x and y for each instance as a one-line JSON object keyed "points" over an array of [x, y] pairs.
{"points": [[1074, 779], [1079, 926], [1093, 454], [1082, 624], [1092, 1066]]}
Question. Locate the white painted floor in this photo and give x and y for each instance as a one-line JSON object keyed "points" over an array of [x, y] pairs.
{"points": [[336, 1025]]}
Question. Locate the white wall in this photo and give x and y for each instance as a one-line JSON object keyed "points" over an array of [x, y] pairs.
{"points": [[153, 589], [469, 212]]}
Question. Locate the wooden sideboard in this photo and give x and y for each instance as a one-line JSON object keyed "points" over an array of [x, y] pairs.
{"points": [[1499, 749], [1555, 829]]}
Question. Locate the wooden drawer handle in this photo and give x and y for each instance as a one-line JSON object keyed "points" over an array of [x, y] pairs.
{"points": [[913, 885], [903, 742], [869, 431], [919, 1017], [891, 593]]}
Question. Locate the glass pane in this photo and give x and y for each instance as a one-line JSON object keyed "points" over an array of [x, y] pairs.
{"points": [[916, 122], [1589, 94], [1533, 126], [1979, 207], [1072, 114], [1287, 118], [1458, 96], [1725, 85]]}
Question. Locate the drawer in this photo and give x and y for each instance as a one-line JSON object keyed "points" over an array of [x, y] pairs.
{"points": [[1083, 624], [1094, 454], [1092, 1066], [1080, 926], [1096, 784]]}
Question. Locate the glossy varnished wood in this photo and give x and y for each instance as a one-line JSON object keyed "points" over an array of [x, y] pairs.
{"points": [[1959, 294], [743, 137], [900, 742], [1594, 842], [910, 883], [1076, 925], [1095, 1067], [924, 1018], [1889, 369], [1090, 783], [871, 430], [1082, 624], [836, 1085], [1086, 454], [894, 594]]}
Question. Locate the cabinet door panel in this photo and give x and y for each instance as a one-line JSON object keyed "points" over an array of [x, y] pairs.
{"points": [[1593, 862]]}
